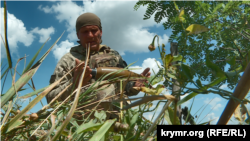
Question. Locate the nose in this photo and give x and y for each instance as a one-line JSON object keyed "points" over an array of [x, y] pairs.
{"points": [[90, 34]]}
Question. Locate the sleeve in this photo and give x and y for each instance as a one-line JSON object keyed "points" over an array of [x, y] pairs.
{"points": [[130, 91], [64, 65]]}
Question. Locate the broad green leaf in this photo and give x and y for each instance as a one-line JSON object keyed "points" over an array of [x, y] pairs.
{"points": [[181, 18], [156, 80], [168, 60], [198, 82], [171, 75], [234, 72], [34, 58], [196, 29], [103, 130], [171, 116], [14, 125], [177, 58], [215, 68], [134, 119], [153, 91], [100, 115], [176, 7], [6, 36], [186, 98], [232, 61], [90, 126], [187, 71], [167, 118], [33, 93]]}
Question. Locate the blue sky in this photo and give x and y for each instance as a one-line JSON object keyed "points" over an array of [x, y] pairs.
{"points": [[30, 23]]}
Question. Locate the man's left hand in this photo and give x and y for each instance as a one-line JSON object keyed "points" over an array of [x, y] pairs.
{"points": [[140, 83]]}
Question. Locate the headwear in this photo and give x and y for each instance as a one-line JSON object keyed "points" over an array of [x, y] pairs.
{"points": [[88, 19]]}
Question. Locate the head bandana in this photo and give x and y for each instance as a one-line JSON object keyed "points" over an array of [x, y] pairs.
{"points": [[88, 19]]}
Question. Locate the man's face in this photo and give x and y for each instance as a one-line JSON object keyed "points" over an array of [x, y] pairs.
{"points": [[90, 34]]}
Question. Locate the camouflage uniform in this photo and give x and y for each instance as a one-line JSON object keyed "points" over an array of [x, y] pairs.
{"points": [[105, 57]]}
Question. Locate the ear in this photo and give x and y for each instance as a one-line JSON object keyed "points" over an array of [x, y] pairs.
{"points": [[101, 34]]}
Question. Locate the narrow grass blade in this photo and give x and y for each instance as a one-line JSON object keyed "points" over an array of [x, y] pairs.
{"points": [[19, 84], [33, 102], [25, 77], [53, 120], [103, 130], [33, 93], [73, 107], [44, 56], [4, 73], [5, 33], [193, 94], [1, 64], [34, 58], [7, 113], [149, 98]]}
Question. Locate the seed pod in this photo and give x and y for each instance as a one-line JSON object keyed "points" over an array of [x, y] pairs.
{"points": [[117, 127], [33, 116], [151, 47]]}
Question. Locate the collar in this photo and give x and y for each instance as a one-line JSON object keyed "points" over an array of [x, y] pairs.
{"points": [[82, 50]]}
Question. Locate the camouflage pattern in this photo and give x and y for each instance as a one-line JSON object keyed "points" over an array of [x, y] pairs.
{"points": [[105, 57]]}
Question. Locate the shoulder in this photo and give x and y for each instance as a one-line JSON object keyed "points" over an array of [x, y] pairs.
{"points": [[122, 63], [114, 51], [111, 50], [66, 61]]}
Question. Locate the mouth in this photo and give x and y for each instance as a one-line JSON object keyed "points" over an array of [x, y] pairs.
{"points": [[92, 42]]}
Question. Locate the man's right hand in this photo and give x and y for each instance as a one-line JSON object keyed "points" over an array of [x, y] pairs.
{"points": [[78, 72]]}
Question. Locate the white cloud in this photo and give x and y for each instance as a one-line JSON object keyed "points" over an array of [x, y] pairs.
{"points": [[45, 9], [149, 62], [223, 86], [123, 28], [215, 105], [44, 33], [186, 103], [17, 33], [62, 48], [211, 116]]}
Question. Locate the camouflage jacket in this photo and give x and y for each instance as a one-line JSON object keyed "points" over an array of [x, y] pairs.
{"points": [[97, 59]]}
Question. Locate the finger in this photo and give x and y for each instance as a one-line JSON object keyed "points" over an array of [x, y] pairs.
{"points": [[145, 71], [148, 74], [87, 78], [78, 62], [88, 70]]}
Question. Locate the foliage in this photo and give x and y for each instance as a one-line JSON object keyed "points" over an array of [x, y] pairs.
{"points": [[209, 35], [228, 35]]}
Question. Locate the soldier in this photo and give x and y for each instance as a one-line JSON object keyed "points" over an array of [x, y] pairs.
{"points": [[89, 31]]}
